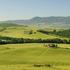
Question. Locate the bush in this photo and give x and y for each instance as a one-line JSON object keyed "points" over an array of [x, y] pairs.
{"points": [[31, 32], [53, 45]]}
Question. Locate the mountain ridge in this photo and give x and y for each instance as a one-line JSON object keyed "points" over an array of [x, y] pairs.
{"points": [[52, 21]]}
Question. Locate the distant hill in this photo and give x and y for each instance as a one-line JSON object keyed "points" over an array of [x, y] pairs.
{"points": [[7, 24], [60, 22]]}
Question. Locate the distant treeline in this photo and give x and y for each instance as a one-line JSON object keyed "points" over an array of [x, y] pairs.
{"points": [[43, 31], [64, 33], [11, 40]]}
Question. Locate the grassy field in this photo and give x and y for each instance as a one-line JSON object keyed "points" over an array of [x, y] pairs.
{"points": [[23, 32], [24, 56]]}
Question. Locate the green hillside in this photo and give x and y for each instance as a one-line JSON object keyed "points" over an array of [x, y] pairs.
{"points": [[25, 56], [4, 24], [33, 56], [24, 32]]}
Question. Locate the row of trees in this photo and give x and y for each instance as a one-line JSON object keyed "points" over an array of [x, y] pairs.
{"points": [[64, 33], [43, 31], [11, 40]]}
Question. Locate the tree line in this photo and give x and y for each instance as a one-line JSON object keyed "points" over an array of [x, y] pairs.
{"points": [[64, 33], [11, 40]]}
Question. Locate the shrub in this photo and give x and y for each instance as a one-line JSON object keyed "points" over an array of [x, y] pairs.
{"points": [[53, 45]]}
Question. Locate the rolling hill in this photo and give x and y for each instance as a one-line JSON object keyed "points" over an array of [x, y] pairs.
{"points": [[47, 22]]}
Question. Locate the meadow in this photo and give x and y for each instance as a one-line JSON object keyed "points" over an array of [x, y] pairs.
{"points": [[23, 32], [25, 56], [32, 56]]}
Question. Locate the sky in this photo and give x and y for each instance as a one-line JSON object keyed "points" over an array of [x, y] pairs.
{"points": [[26, 9]]}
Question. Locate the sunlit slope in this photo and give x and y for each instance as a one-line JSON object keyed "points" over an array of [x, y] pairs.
{"points": [[24, 56], [24, 32]]}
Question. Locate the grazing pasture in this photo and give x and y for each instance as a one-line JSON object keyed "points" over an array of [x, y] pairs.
{"points": [[24, 32], [34, 56]]}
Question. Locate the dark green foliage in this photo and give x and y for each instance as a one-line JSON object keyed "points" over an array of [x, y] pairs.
{"points": [[31, 32], [11, 40], [42, 65], [54, 31], [43, 31], [53, 45], [65, 33]]}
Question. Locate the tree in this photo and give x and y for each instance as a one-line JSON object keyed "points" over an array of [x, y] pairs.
{"points": [[53, 45], [54, 31], [31, 32]]}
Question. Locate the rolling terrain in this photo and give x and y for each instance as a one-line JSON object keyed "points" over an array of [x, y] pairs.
{"points": [[44, 22], [25, 56], [19, 31], [33, 56]]}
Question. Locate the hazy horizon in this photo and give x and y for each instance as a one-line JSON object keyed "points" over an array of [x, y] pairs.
{"points": [[26, 9]]}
